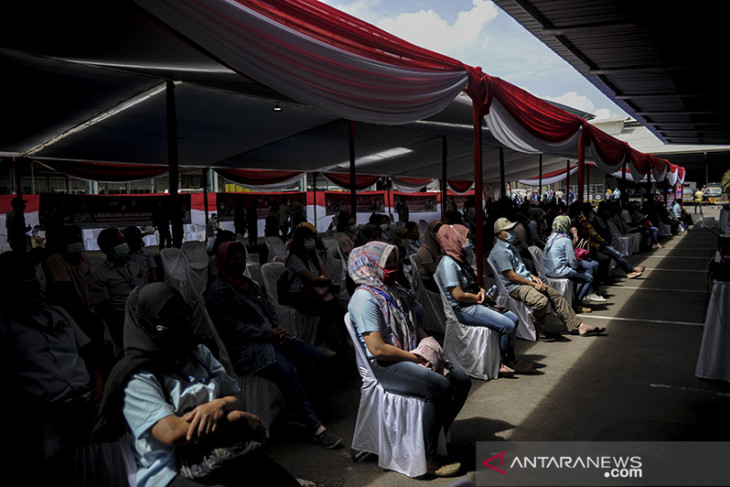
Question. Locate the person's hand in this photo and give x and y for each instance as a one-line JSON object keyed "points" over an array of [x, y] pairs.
{"points": [[204, 419], [481, 296], [279, 334], [422, 361], [249, 421]]}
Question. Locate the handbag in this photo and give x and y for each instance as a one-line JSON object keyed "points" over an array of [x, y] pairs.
{"points": [[581, 250], [199, 460]]}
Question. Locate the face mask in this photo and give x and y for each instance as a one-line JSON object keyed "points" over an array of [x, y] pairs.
{"points": [[467, 245], [390, 276], [353, 227], [122, 251], [384, 227], [310, 245], [235, 268], [75, 248], [511, 237]]}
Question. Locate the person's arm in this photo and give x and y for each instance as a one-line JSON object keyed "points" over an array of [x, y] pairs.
{"points": [[512, 276], [198, 424], [464, 297], [386, 352]]}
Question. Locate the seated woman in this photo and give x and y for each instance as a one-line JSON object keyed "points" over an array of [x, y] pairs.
{"points": [[468, 299], [173, 396], [559, 261], [428, 255], [256, 342], [309, 289], [600, 248], [386, 328]]}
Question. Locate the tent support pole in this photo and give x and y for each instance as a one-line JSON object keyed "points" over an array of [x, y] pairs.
{"points": [[539, 185], [205, 198], [502, 178], [623, 179], [172, 156], [353, 193], [314, 195], [478, 192], [567, 177], [444, 181], [581, 161]]}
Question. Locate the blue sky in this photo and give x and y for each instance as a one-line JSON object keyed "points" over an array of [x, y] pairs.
{"points": [[479, 33]]}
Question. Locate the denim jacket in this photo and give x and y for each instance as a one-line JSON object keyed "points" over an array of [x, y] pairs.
{"points": [[244, 321], [559, 256]]}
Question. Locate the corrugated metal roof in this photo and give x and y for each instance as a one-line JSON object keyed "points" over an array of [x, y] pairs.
{"points": [[660, 62]]}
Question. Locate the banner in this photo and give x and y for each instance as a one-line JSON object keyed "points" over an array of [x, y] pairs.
{"points": [[419, 203], [229, 206], [366, 202], [101, 211]]}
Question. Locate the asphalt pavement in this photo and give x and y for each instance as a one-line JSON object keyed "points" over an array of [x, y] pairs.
{"points": [[636, 383]]}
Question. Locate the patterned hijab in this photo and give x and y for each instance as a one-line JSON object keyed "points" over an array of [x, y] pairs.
{"points": [[365, 265], [561, 228]]}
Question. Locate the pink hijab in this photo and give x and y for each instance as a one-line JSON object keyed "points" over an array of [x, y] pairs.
{"points": [[452, 238]]}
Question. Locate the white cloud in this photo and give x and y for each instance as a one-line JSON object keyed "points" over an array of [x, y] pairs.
{"points": [[426, 28]]}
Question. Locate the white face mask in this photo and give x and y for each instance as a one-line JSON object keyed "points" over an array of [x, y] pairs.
{"points": [[384, 227], [310, 245]]}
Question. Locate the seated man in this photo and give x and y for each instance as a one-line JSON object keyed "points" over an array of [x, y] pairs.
{"points": [[528, 288], [112, 281]]}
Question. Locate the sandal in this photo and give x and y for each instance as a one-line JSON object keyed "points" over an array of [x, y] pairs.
{"points": [[448, 470], [593, 333]]}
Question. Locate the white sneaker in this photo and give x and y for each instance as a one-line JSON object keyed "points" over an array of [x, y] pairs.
{"points": [[596, 298]]}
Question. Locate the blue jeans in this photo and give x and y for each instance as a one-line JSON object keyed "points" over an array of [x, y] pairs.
{"points": [[616, 255], [283, 372], [445, 396], [503, 323], [584, 278]]}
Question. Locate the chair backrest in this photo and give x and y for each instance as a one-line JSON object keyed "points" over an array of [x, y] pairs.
{"points": [[537, 255], [270, 274], [501, 288], [416, 280], [614, 229], [448, 310], [195, 251], [276, 247], [361, 359]]}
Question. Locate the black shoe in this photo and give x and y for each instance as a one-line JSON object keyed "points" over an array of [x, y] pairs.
{"points": [[327, 439]]}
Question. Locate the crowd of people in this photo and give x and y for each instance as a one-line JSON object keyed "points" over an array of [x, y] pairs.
{"points": [[113, 350]]}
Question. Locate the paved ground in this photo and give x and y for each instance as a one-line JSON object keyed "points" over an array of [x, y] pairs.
{"points": [[636, 384]]}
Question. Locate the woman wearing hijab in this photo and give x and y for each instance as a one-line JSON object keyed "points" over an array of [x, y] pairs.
{"points": [[468, 299], [256, 342], [428, 255], [559, 261], [172, 393], [386, 328], [309, 288]]}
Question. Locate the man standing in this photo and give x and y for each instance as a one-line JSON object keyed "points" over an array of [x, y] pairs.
{"points": [[524, 286]]}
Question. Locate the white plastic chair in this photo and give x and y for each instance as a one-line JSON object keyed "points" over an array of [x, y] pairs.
{"points": [[336, 265], [623, 244], [565, 286], [525, 327], [433, 309], [388, 425], [474, 349], [276, 248], [197, 258], [298, 324]]}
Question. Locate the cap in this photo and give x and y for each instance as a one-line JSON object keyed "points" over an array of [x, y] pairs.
{"points": [[503, 224]]}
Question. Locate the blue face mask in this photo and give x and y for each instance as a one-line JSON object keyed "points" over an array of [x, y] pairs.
{"points": [[75, 248], [511, 237], [122, 251], [467, 245], [310, 245]]}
